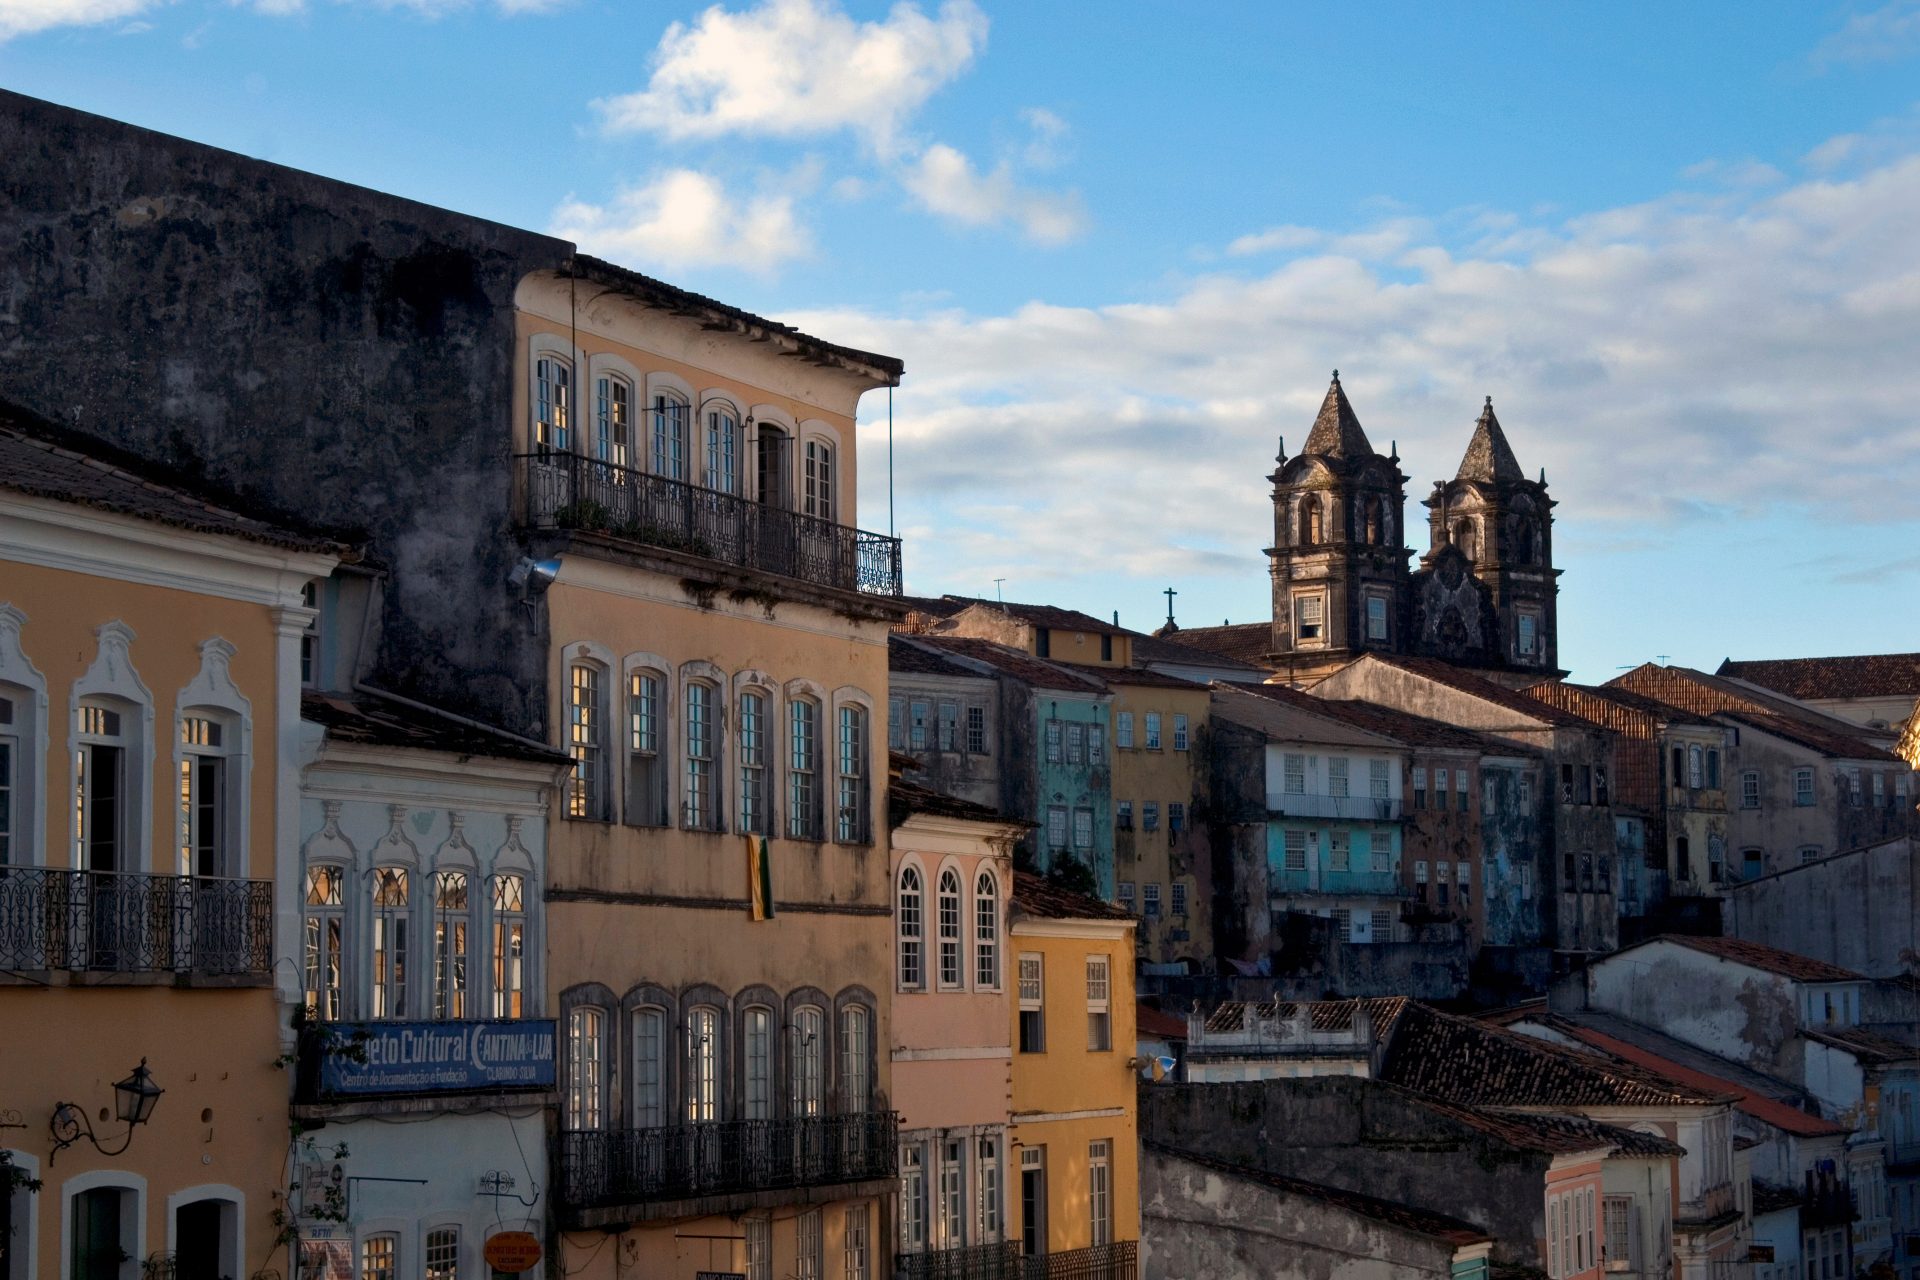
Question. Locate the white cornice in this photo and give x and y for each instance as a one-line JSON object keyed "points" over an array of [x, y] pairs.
{"points": [[1046, 927], [589, 573]]}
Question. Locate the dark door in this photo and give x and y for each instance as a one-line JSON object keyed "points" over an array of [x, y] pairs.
{"points": [[1033, 1210], [196, 1240], [96, 1247]]}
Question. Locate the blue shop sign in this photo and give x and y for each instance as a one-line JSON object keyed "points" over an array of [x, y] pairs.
{"points": [[438, 1057]]}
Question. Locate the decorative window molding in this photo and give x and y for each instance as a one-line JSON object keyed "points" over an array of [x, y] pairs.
{"points": [[26, 688], [212, 690], [111, 680]]}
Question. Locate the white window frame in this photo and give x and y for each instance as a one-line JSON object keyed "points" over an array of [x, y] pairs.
{"points": [[1100, 1003], [23, 685], [951, 969], [1100, 1190], [1153, 730], [391, 945], [910, 920], [587, 798], [1123, 730], [112, 684], [1310, 620], [1179, 731], [986, 931], [1031, 995], [584, 1108]]}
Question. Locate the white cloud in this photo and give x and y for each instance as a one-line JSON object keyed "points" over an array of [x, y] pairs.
{"points": [[945, 182], [25, 17], [794, 68], [684, 218], [1668, 363], [1047, 141], [1275, 238], [1885, 34]]}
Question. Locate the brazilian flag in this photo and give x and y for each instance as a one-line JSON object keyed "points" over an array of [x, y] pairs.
{"points": [[759, 879]]}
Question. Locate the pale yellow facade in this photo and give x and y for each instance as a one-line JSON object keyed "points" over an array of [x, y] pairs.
{"points": [[1161, 857], [147, 934]]}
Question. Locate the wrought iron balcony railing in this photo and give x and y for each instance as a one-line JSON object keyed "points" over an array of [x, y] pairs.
{"points": [[1004, 1261], [567, 491], [609, 1167], [131, 922]]}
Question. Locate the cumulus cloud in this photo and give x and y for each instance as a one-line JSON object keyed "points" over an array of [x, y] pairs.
{"points": [[794, 68], [25, 17], [684, 218], [945, 182], [1753, 348], [1885, 34]]}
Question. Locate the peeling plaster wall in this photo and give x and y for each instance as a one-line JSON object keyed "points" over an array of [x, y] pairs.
{"points": [[1739, 1013], [1861, 911], [1233, 763]]}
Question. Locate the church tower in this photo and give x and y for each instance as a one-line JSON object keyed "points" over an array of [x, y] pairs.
{"points": [[1338, 561], [1485, 592]]}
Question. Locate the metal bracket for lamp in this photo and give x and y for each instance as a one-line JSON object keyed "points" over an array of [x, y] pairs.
{"points": [[134, 1100]]}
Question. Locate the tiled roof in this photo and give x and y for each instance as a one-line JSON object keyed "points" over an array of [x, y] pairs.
{"points": [[1869, 1047], [1837, 746], [1567, 695], [1756, 956], [1475, 1064], [47, 462], [1489, 458], [1036, 615], [1415, 731], [1265, 709], [1322, 1015], [1465, 681], [1435, 1226], [1016, 663], [908, 657], [1248, 642], [1336, 429], [1158, 1023], [904, 799], [682, 302], [1865, 675], [1769, 1198], [378, 720], [1761, 708], [1577, 1133], [1037, 896], [1137, 676], [1172, 648]]}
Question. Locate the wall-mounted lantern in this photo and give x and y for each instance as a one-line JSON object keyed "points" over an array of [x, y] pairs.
{"points": [[133, 1100]]}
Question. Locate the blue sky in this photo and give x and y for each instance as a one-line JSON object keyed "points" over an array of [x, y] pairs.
{"points": [[1120, 253]]}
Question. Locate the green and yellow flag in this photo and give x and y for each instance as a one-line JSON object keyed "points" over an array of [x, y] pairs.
{"points": [[759, 879]]}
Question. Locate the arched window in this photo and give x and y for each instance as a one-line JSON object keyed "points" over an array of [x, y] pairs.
{"points": [[586, 1067], [806, 1056], [552, 405], [1463, 537], [509, 946], [851, 826], [613, 420], [18, 758], [698, 810], [755, 801], [587, 741], [390, 942], [1523, 540], [907, 914], [986, 933], [703, 1065], [757, 1048], [819, 481], [649, 1068], [451, 917], [1369, 519], [803, 769], [1310, 531], [670, 417], [856, 1050], [207, 796], [326, 929], [949, 908], [723, 448]]}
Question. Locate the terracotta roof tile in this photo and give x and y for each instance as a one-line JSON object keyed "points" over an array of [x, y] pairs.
{"points": [[1756, 956], [1869, 1047], [1041, 898], [1173, 648], [1037, 615], [1865, 675], [1769, 1198], [1158, 1023], [1248, 642], [1322, 1015], [904, 799], [907, 657], [1136, 676], [1467, 682], [1761, 708], [1016, 663]]}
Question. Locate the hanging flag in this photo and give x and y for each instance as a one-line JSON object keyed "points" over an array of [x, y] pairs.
{"points": [[759, 879]]}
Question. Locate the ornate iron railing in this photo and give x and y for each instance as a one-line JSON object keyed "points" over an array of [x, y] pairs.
{"points": [[1116, 1261], [130, 922], [600, 1168], [567, 491]]}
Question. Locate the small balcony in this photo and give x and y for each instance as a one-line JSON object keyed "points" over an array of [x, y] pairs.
{"points": [[1117, 1261], [122, 927], [614, 1175], [567, 491], [1351, 808]]}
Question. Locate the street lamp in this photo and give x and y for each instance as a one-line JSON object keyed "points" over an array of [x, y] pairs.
{"points": [[133, 1101]]}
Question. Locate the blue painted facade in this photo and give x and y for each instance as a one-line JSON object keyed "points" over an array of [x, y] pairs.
{"points": [[1073, 758]]}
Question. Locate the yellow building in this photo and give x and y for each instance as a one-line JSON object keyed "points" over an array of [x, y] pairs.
{"points": [[1075, 1191], [150, 647], [718, 627], [1161, 854]]}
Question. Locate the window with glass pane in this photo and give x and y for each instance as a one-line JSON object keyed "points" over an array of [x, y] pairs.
{"points": [[1153, 730], [1100, 1190], [1179, 898], [1053, 741], [986, 933], [1032, 1007], [310, 637], [909, 919], [852, 806], [1337, 775], [443, 1253], [1076, 743], [586, 742], [759, 1249], [856, 1076], [613, 421], [808, 1257], [953, 1193], [949, 902], [806, 1055], [697, 806], [1179, 733], [1056, 826], [380, 1257], [803, 766], [326, 928], [553, 405], [1150, 901], [1099, 1012], [819, 480], [723, 451], [390, 942], [913, 1196], [509, 945], [203, 798], [976, 731], [753, 764], [646, 775], [703, 1065], [649, 1068], [1083, 828], [670, 415], [9, 757], [1294, 771], [1377, 779], [759, 1064], [586, 1067], [987, 1162], [1295, 849], [100, 768], [949, 726], [450, 920], [1123, 729], [858, 1248]]}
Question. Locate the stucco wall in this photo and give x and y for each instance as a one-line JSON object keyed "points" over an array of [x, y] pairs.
{"points": [[1732, 1010], [1858, 912]]}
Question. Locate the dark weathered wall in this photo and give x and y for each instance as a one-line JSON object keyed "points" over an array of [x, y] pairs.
{"points": [[328, 354], [1363, 1136], [1232, 761], [1860, 911]]}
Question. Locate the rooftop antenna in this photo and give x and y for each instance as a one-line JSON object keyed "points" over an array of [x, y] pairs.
{"points": [[1169, 593], [998, 598]]}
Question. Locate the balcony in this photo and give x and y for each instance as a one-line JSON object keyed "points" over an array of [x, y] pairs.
{"points": [[1117, 1261], [610, 1176], [567, 491], [117, 926], [1351, 808]]}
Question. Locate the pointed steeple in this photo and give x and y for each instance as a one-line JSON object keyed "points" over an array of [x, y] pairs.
{"points": [[1336, 432], [1489, 458]]}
